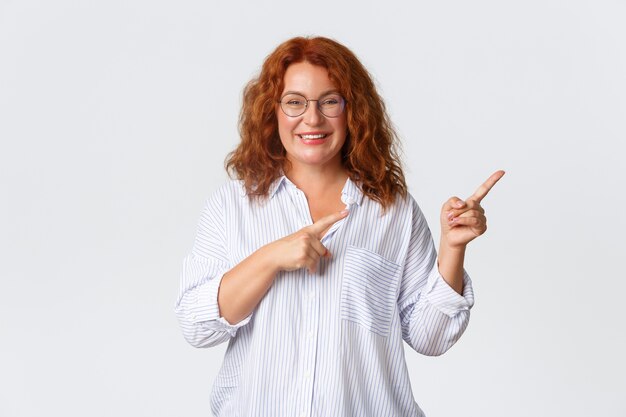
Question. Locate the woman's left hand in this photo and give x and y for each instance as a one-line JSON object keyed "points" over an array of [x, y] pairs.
{"points": [[463, 221]]}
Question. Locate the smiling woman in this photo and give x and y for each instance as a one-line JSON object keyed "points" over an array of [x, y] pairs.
{"points": [[369, 154], [315, 264]]}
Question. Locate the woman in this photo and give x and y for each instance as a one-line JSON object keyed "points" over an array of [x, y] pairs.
{"points": [[315, 264]]}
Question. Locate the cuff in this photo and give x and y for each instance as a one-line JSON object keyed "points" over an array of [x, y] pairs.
{"points": [[205, 309], [444, 298]]}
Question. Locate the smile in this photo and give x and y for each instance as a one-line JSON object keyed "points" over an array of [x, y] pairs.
{"points": [[309, 137]]}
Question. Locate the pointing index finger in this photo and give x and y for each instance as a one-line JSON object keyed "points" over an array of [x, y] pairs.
{"points": [[324, 223], [485, 187]]}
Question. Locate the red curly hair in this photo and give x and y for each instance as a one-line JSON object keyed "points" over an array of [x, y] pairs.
{"points": [[370, 153]]}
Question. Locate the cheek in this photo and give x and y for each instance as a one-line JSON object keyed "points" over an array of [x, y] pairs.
{"points": [[285, 125], [342, 126]]}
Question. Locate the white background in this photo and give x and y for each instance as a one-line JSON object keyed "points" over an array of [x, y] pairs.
{"points": [[116, 117]]}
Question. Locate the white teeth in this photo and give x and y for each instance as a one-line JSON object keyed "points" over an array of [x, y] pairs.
{"points": [[312, 136]]}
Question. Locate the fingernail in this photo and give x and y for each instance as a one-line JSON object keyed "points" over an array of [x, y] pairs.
{"points": [[459, 204], [450, 214]]}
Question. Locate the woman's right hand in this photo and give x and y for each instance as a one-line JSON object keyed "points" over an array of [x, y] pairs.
{"points": [[303, 249], [243, 287]]}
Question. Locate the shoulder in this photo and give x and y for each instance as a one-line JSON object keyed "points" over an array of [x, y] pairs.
{"points": [[412, 204], [229, 192], [403, 206], [407, 210]]}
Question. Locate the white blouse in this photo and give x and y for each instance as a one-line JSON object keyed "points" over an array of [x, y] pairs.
{"points": [[328, 343]]}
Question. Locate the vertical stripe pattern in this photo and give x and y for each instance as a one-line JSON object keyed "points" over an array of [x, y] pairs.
{"points": [[327, 343]]}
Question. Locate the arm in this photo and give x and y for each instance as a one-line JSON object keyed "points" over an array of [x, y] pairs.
{"points": [[244, 286], [450, 265], [461, 222], [239, 294], [213, 295], [434, 306], [433, 315], [203, 269]]}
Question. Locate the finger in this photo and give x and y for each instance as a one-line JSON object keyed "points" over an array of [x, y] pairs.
{"points": [[314, 260], [485, 187], [473, 222], [471, 213], [469, 206], [311, 243], [453, 203], [311, 263], [324, 223], [318, 247]]}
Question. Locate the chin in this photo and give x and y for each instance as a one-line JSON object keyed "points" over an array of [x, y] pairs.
{"points": [[312, 159]]}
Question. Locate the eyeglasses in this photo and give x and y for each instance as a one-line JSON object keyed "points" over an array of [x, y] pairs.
{"points": [[294, 105]]}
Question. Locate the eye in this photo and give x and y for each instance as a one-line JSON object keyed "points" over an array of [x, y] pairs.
{"points": [[294, 100], [333, 100]]}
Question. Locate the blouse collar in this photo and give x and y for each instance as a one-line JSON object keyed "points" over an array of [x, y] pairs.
{"points": [[350, 194]]}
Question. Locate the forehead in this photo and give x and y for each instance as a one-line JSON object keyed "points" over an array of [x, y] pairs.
{"points": [[307, 78]]}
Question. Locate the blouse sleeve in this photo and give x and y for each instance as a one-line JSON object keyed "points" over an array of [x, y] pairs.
{"points": [[196, 306], [433, 315]]}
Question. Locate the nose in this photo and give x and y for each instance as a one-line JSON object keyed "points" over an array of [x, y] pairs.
{"points": [[312, 115]]}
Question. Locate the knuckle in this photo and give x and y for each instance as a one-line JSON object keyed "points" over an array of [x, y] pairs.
{"points": [[451, 201], [305, 242]]}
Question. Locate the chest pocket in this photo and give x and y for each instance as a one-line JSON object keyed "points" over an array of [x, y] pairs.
{"points": [[368, 290]]}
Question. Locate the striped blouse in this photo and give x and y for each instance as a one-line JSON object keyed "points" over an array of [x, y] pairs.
{"points": [[327, 343]]}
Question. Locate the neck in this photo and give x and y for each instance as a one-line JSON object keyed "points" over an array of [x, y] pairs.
{"points": [[316, 180]]}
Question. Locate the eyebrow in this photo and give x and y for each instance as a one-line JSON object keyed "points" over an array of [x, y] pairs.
{"points": [[304, 95]]}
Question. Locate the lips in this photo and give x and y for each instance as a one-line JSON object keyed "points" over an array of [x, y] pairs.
{"points": [[312, 136]]}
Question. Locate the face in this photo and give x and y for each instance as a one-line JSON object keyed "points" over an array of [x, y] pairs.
{"points": [[311, 139]]}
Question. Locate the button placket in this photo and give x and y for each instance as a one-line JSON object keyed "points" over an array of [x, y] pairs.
{"points": [[301, 208], [305, 214], [310, 305]]}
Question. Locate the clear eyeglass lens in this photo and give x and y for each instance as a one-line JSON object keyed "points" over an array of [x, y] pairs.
{"points": [[293, 104], [330, 105]]}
